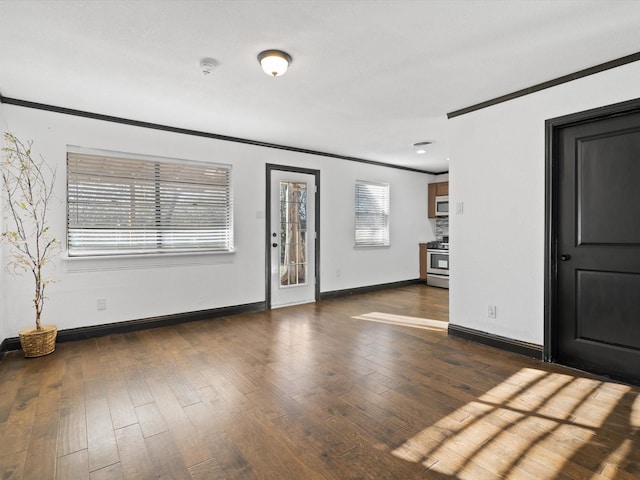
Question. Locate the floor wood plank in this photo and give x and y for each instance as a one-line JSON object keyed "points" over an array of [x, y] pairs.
{"points": [[135, 461], [101, 440], [111, 472], [42, 455], [12, 464], [166, 457], [72, 432], [188, 441], [150, 420], [75, 466], [311, 392]]}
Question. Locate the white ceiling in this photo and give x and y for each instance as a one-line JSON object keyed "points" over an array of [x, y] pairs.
{"points": [[368, 78]]}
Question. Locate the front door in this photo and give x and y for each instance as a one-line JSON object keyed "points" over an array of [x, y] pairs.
{"points": [[292, 237], [597, 254]]}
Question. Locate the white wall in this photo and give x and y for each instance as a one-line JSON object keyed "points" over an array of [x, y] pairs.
{"points": [[497, 169], [3, 327], [153, 286]]}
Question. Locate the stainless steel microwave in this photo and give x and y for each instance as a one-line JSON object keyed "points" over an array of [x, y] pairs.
{"points": [[442, 206]]}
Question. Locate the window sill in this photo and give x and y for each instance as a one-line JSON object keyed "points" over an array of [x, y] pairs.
{"points": [[148, 260]]}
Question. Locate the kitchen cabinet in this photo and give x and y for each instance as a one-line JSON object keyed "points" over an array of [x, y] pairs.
{"points": [[439, 189], [423, 261]]}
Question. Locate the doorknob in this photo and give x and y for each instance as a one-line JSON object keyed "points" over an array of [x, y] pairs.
{"points": [[274, 244], [564, 257]]}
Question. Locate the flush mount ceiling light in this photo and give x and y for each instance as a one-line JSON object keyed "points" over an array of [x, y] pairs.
{"points": [[274, 62], [421, 147]]}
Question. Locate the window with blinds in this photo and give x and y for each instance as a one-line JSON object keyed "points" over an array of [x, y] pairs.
{"points": [[372, 214], [120, 205]]}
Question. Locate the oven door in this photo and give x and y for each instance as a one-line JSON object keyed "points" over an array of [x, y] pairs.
{"points": [[438, 262]]}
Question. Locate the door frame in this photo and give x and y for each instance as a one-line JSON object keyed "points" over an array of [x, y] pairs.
{"points": [[552, 191], [308, 171]]}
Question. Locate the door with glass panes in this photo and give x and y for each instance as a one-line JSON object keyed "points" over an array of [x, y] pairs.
{"points": [[292, 238]]}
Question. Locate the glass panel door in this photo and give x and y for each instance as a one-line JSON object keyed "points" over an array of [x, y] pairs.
{"points": [[292, 238]]}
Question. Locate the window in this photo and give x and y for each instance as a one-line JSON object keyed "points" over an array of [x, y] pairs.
{"points": [[372, 214], [122, 204]]}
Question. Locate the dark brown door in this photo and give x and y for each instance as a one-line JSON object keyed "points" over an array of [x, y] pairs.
{"points": [[598, 246]]}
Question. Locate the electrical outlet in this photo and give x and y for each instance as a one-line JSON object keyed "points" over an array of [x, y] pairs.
{"points": [[491, 311], [101, 304], [338, 273], [459, 208]]}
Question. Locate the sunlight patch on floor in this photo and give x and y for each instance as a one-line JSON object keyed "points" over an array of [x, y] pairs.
{"points": [[514, 430], [415, 322]]}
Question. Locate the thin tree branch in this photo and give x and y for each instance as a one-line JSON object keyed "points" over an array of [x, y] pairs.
{"points": [[29, 188]]}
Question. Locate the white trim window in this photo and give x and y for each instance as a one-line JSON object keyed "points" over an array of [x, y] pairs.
{"points": [[120, 204], [372, 214]]}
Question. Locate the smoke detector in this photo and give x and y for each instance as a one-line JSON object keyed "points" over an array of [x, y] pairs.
{"points": [[207, 66]]}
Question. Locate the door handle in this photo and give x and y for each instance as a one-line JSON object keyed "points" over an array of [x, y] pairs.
{"points": [[565, 256], [274, 244]]}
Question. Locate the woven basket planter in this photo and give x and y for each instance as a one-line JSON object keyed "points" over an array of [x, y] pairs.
{"points": [[36, 343]]}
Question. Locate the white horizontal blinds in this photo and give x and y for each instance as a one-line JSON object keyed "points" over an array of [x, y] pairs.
{"points": [[372, 214], [122, 206]]}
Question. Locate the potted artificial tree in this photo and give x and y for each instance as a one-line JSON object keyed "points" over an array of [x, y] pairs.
{"points": [[27, 184]]}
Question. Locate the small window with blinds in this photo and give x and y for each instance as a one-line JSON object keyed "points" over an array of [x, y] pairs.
{"points": [[372, 214], [119, 204]]}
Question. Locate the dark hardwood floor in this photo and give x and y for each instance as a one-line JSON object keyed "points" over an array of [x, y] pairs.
{"points": [[309, 392]]}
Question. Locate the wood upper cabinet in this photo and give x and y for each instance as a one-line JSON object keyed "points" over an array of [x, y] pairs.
{"points": [[436, 190]]}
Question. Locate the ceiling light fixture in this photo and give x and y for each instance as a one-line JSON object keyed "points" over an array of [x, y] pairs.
{"points": [[274, 62], [420, 147]]}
